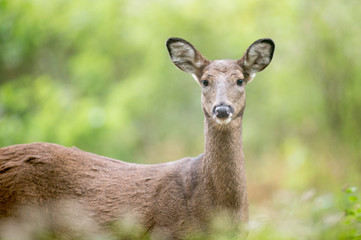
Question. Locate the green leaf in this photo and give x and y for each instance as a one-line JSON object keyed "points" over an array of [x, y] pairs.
{"points": [[352, 198], [349, 212], [351, 189]]}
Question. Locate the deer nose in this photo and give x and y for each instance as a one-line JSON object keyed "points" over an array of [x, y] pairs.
{"points": [[222, 110]]}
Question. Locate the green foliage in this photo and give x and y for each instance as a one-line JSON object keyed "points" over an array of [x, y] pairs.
{"points": [[352, 221], [313, 216], [96, 74]]}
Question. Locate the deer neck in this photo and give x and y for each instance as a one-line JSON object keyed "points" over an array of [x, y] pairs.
{"points": [[223, 163]]}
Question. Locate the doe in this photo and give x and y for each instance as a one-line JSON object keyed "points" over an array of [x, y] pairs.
{"points": [[175, 198]]}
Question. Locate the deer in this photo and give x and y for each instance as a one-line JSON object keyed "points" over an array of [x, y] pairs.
{"points": [[175, 198]]}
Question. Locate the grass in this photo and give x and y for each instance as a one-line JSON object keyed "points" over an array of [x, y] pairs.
{"points": [[290, 216]]}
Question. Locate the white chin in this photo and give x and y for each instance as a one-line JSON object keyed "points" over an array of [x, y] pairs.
{"points": [[223, 121]]}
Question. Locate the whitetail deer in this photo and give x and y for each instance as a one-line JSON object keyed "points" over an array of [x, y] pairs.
{"points": [[176, 197]]}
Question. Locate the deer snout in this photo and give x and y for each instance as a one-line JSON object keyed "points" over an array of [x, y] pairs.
{"points": [[223, 111]]}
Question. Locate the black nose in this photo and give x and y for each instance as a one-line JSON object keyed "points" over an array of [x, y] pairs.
{"points": [[222, 111]]}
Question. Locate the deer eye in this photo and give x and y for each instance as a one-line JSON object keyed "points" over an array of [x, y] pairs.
{"points": [[205, 83], [239, 82]]}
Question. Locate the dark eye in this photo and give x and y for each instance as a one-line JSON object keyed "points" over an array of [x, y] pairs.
{"points": [[239, 82], [205, 83]]}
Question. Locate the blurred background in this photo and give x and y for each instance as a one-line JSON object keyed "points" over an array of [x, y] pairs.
{"points": [[97, 75]]}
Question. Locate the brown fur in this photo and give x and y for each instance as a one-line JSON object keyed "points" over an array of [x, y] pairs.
{"points": [[175, 198]]}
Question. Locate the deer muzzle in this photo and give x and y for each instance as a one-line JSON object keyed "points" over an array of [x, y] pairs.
{"points": [[223, 113]]}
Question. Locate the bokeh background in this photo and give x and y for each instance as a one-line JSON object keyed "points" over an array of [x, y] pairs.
{"points": [[97, 75]]}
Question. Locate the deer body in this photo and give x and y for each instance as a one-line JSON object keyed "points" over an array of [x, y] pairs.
{"points": [[175, 198]]}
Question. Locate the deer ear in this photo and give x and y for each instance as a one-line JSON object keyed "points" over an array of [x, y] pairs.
{"points": [[186, 57], [258, 56]]}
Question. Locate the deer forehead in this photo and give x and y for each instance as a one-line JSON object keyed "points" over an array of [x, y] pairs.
{"points": [[222, 68]]}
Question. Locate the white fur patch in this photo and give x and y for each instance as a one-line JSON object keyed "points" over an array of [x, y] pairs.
{"points": [[251, 77], [195, 78], [223, 121]]}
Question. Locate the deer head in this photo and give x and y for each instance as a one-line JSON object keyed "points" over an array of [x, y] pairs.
{"points": [[223, 82]]}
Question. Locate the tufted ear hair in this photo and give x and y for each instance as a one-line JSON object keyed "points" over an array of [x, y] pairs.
{"points": [[258, 56], [186, 57]]}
